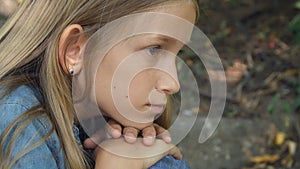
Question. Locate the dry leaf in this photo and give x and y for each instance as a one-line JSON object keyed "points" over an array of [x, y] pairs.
{"points": [[292, 147], [265, 159], [279, 139], [288, 161], [289, 73], [240, 66], [235, 73]]}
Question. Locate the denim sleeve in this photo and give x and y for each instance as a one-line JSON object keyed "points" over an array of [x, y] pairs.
{"points": [[42, 156], [170, 162]]}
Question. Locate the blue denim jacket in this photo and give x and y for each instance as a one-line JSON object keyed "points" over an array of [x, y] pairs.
{"points": [[48, 155]]}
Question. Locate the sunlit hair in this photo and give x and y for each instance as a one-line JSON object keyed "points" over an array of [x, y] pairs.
{"points": [[29, 55]]}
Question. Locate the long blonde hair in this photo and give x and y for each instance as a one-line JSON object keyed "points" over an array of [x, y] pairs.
{"points": [[29, 43]]}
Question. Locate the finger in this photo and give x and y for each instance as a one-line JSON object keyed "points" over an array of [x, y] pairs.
{"points": [[130, 134], [114, 129], [176, 153], [149, 135], [162, 133], [89, 143], [94, 140]]}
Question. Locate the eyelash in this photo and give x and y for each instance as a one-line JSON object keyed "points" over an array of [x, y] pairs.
{"points": [[150, 53]]}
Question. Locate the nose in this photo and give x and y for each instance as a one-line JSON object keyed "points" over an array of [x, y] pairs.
{"points": [[167, 82]]}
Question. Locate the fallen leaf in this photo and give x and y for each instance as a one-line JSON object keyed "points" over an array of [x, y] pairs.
{"points": [[279, 139], [240, 66], [289, 73], [235, 73], [265, 159], [292, 147], [288, 161]]}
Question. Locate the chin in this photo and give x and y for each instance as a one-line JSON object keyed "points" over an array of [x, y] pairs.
{"points": [[142, 126], [139, 126]]}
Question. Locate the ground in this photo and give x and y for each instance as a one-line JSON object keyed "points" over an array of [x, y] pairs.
{"points": [[260, 125]]}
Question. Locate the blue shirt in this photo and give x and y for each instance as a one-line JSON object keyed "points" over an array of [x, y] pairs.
{"points": [[47, 155]]}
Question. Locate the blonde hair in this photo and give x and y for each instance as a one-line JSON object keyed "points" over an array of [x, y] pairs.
{"points": [[29, 43]]}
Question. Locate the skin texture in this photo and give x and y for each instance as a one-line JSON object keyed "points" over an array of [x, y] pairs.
{"points": [[137, 147], [141, 86], [146, 82]]}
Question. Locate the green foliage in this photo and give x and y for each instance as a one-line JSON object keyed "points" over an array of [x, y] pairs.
{"points": [[278, 104], [297, 5], [272, 104], [295, 24]]}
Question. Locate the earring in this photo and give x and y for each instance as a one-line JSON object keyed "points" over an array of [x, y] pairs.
{"points": [[71, 70]]}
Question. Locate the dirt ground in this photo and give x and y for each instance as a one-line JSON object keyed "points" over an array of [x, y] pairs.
{"points": [[254, 33], [262, 66]]}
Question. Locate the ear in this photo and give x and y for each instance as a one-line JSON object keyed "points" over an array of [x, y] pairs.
{"points": [[70, 47]]}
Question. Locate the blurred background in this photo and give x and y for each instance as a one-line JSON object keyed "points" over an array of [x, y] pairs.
{"points": [[258, 43]]}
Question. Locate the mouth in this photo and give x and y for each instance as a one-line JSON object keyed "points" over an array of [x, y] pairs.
{"points": [[156, 108]]}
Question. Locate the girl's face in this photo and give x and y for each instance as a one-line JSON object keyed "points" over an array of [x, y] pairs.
{"points": [[147, 89]]}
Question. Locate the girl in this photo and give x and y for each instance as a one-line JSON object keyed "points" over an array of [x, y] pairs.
{"points": [[40, 47]]}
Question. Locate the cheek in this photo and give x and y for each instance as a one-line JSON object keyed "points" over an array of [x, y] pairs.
{"points": [[102, 89], [140, 87], [103, 84]]}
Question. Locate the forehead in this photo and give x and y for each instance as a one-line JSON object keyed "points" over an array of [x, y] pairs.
{"points": [[184, 9], [172, 21], [146, 39]]}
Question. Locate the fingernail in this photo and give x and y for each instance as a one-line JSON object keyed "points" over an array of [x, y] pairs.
{"points": [[168, 139], [129, 137], [148, 140], [116, 133]]}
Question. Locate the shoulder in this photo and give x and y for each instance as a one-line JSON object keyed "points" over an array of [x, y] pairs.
{"points": [[23, 96], [16, 103], [47, 154]]}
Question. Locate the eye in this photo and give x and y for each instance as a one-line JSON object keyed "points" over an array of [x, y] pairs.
{"points": [[153, 51]]}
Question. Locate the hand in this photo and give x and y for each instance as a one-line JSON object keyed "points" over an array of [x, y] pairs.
{"points": [[114, 130], [117, 154], [149, 134]]}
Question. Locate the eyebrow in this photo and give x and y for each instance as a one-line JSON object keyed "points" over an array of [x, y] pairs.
{"points": [[151, 37], [158, 38], [167, 39], [162, 38]]}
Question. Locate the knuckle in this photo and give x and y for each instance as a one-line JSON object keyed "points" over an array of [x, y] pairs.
{"points": [[130, 130], [149, 133]]}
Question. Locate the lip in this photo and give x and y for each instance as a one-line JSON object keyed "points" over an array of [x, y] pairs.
{"points": [[156, 108]]}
